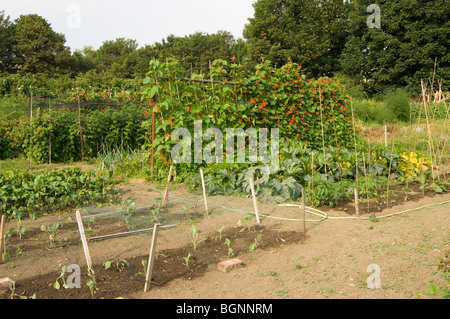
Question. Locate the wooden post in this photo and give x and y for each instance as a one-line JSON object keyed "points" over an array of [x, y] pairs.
{"points": [[80, 129], [2, 227], [365, 175], [204, 191], [323, 135], [83, 240], [389, 175], [312, 180], [356, 148], [385, 136], [153, 134], [304, 209], [255, 203], [50, 132], [357, 203], [166, 193], [31, 107], [151, 258]]}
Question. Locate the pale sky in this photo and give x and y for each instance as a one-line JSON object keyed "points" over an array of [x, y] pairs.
{"points": [[89, 23]]}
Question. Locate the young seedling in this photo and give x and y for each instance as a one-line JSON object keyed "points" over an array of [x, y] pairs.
{"points": [[14, 295], [144, 267], [120, 264], [20, 228], [5, 257], [51, 230], [91, 281], [130, 207], [144, 263], [255, 244], [230, 250], [220, 230], [247, 219], [57, 285], [195, 240], [186, 260]]}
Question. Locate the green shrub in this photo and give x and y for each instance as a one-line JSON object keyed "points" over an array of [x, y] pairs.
{"points": [[372, 111], [397, 102], [22, 191]]}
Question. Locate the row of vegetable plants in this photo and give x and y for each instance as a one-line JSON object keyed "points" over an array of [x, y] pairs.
{"points": [[23, 193]]}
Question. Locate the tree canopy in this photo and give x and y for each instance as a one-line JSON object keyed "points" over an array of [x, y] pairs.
{"points": [[310, 32], [39, 49], [414, 34], [326, 37]]}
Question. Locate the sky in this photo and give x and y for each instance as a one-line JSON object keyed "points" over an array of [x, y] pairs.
{"points": [[89, 23]]}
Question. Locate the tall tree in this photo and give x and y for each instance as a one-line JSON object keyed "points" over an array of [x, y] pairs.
{"points": [[118, 57], [6, 43], [39, 49], [413, 35], [195, 51], [310, 32]]}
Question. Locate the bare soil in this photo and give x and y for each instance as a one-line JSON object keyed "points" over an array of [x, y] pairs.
{"points": [[330, 260]]}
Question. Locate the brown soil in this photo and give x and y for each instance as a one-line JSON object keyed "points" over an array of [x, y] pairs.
{"points": [[329, 261]]}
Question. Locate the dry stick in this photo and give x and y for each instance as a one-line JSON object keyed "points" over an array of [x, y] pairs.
{"points": [[409, 148], [323, 135], [357, 203], [418, 124], [367, 188], [153, 136], [385, 136], [166, 193], [356, 149], [389, 174], [79, 128], [434, 75], [49, 133], [255, 202], [83, 240], [204, 191], [312, 180], [212, 82], [430, 142], [423, 176], [441, 153], [151, 258], [304, 209], [2, 227], [31, 108], [369, 160], [337, 145]]}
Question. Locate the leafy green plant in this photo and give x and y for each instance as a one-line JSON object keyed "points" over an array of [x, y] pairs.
{"points": [[55, 190], [255, 243], [186, 260], [51, 230], [194, 237], [220, 230], [373, 218], [248, 218], [397, 102], [120, 264], [434, 291], [13, 292], [230, 250], [5, 257], [91, 282], [20, 231], [56, 284]]}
